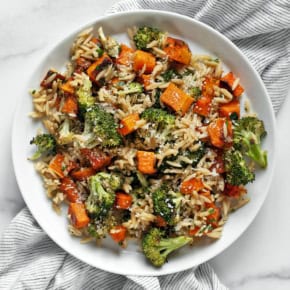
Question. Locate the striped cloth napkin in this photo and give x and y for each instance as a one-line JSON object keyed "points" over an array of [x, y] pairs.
{"points": [[30, 260]]}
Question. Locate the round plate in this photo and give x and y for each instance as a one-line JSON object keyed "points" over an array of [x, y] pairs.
{"points": [[201, 39]]}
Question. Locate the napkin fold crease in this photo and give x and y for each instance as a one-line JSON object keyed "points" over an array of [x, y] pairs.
{"points": [[261, 29]]}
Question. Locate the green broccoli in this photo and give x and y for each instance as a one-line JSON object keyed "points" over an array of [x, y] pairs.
{"points": [[113, 181], [169, 75], [84, 96], [248, 133], [156, 247], [159, 117], [194, 156], [176, 198], [195, 92], [131, 88], [65, 136], [102, 193], [100, 129], [237, 170], [157, 94], [99, 227], [163, 204], [46, 145], [145, 35]]}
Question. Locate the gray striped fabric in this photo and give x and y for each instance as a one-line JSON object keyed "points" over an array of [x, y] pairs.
{"points": [[30, 260]]}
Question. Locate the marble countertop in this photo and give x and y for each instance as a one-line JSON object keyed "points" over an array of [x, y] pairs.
{"points": [[260, 259]]}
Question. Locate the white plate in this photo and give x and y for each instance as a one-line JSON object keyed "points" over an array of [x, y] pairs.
{"points": [[202, 39]]}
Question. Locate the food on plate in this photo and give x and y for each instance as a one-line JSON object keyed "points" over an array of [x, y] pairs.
{"points": [[145, 141]]}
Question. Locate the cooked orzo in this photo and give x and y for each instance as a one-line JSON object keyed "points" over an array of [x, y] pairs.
{"points": [[145, 141]]}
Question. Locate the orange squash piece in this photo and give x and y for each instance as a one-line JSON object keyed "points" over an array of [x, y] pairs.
{"points": [[194, 231], [57, 165], [203, 105], [214, 217], [127, 125], [229, 79], [208, 86], [96, 158], [234, 191], [216, 132], [193, 184], [123, 200], [118, 233], [177, 50], [142, 58], [225, 110], [96, 67], [145, 80], [82, 173], [125, 55], [69, 188], [176, 99], [67, 87], [146, 162], [70, 105], [160, 221], [78, 215]]}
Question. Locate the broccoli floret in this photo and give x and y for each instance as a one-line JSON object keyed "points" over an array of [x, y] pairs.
{"points": [[195, 92], [100, 129], [176, 198], [145, 35], [92, 231], [99, 227], [102, 193], [65, 136], [248, 133], [237, 170], [84, 95], [113, 181], [163, 204], [157, 247], [158, 116], [131, 88], [169, 75], [46, 145]]}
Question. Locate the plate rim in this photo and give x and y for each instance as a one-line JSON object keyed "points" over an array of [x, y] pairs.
{"points": [[153, 271]]}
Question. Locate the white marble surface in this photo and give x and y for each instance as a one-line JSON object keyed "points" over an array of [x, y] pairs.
{"points": [[260, 259]]}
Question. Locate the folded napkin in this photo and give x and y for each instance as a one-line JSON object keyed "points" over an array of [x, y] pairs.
{"points": [[261, 29]]}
